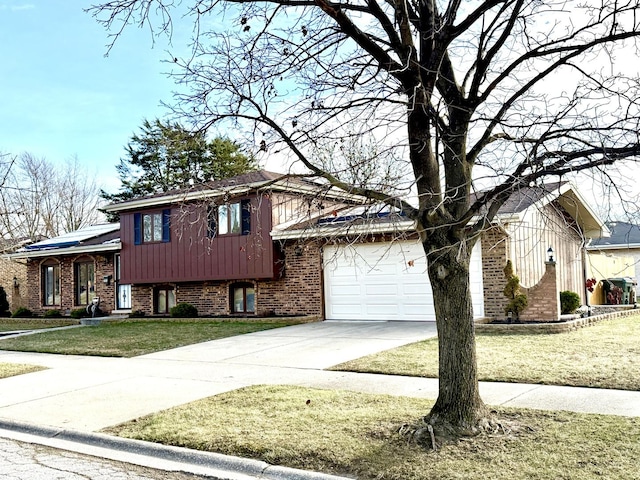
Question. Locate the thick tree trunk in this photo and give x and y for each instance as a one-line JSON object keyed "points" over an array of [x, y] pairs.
{"points": [[459, 406]]}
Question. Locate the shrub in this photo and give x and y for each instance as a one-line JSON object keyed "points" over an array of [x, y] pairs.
{"points": [[52, 314], [184, 310], [22, 312], [4, 303], [136, 314], [517, 300], [78, 313], [569, 302]]}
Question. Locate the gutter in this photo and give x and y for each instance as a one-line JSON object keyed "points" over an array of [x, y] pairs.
{"points": [[595, 248], [110, 247]]}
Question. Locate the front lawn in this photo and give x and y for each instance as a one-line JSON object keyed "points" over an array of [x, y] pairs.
{"points": [[605, 355], [355, 434], [132, 338], [14, 324], [11, 369]]}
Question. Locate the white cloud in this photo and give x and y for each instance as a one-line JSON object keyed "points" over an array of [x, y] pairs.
{"points": [[16, 8]]}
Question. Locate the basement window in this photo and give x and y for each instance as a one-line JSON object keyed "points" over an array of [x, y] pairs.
{"points": [[243, 298]]}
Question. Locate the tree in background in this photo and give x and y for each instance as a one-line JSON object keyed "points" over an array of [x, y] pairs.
{"points": [[167, 156], [39, 199], [509, 92]]}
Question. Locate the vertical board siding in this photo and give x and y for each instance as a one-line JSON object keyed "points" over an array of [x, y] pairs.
{"points": [[191, 256], [530, 239]]}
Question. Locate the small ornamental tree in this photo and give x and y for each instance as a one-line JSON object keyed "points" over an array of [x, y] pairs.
{"points": [[517, 300]]}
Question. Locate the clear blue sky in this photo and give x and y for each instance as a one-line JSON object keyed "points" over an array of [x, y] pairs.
{"points": [[60, 95]]}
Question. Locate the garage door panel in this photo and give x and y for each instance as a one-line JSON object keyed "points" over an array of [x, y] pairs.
{"points": [[350, 290], [381, 310], [381, 289], [385, 281]]}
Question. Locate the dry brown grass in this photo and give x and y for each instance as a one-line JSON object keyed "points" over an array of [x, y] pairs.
{"points": [[355, 434], [605, 355]]}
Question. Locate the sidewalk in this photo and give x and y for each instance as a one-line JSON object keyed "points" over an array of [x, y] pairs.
{"points": [[86, 394]]}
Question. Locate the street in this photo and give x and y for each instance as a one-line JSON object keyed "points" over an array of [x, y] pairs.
{"points": [[26, 461]]}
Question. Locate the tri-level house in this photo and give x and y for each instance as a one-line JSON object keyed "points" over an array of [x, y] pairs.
{"points": [[212, 246], [270, 244]]}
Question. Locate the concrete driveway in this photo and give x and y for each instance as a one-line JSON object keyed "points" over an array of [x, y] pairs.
{"points": [[91, 393]]}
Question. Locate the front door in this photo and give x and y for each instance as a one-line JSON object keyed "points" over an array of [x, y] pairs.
{"points": [[123, 291]]}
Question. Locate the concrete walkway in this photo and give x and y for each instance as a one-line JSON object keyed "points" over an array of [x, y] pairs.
{"points": [[86, 394]]}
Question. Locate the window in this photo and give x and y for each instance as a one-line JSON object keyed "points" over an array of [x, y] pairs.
{"points": [[164, 299], [231, 218], [151, 227], [243, 298], [51, 284], [85, 282]]}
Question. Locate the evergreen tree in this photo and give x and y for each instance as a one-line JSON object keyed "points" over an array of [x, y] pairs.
{"points": [[167, 156]]}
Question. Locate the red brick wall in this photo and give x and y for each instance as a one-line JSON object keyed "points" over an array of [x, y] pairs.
{"points": [[300, 291], [103, 267]]}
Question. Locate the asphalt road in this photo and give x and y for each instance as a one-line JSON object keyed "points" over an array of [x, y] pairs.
{"points": [[26, 461]]}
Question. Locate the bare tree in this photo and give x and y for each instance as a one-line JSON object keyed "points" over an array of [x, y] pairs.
{"points": [[506, 92], [41, 200]]}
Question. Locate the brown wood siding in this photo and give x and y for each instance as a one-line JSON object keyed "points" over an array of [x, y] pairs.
{"points": [[191, 256]]}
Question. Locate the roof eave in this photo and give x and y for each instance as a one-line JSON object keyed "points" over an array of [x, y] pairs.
{"points": [[189, 196], [344, 230], [50, 252], [619, 246], [575, 204]]}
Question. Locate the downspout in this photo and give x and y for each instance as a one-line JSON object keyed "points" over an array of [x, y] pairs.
{"points": [[587, 293]]}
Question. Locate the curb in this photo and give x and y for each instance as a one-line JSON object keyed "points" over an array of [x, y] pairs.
{"points": [[214, 465]]}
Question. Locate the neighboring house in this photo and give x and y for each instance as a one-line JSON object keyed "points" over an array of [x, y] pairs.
{"points": [[267, 244], [13, 274], [66, 273], [616, 256]]}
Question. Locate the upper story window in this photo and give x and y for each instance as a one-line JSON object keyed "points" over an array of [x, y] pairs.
{"points": [[151, 227], [230, 219], [51, 283]]}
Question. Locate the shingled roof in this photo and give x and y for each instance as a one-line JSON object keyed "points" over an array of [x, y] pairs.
{"points": [[623, 235], [238, 185]]}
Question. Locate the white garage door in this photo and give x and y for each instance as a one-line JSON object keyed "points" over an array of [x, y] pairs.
{"points": [[385, 281]]}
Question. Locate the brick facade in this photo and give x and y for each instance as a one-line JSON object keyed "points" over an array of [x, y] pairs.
{"points": [[494, 258], [297, 292], [103, 267], [13, 278], [300, 291], [544, 298]]}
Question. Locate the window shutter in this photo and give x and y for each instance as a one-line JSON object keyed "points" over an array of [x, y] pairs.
{"points": [[137, 228], [245, 207], [166, 225], [212, 221]]}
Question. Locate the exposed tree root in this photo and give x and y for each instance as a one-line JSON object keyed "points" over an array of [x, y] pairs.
{"points": [[434, 432]]}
